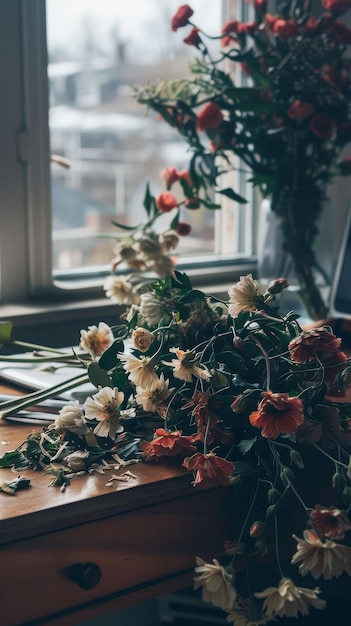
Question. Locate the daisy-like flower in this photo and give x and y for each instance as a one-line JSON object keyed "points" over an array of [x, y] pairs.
{"points": [[151, 308], [216, 583], [184, 366], [167, 444], [71, 417], [209, 470], [155, 398], [245, 613], [104, 407], [244, 296], [277, 413], [329, 522], [120, 291], [142, 339], [288, 600], [321, 558], [140, 371], [97, 339]]}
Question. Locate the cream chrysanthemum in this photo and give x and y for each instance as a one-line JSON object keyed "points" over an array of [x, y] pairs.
{"points": [[104, 407], [184, 366], [121, 292], [288, 600], [151, 308], [71, 417], [321, 558], [243, 296], [154, 398], [216, 584], [140, 371], [245, 613], [97, 339]]}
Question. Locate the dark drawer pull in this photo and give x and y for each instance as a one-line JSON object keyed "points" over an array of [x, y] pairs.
{"points": [[86, 575]]}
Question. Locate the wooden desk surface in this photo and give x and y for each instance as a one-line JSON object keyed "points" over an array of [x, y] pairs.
{"points": [[144, 536]]}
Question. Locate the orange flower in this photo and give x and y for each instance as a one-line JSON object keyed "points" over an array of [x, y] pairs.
{"points": [[209, 117], [329, 522], [181, 17], [209, 470], [171, 176], [166, 201], [312, 343], [277, 413], [167, 444], [285, 28]]}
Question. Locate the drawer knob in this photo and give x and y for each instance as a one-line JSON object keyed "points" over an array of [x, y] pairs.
{"points": [[86, 575]]}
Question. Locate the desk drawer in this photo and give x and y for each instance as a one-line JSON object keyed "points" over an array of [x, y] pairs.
{"points": [[130, 549]]}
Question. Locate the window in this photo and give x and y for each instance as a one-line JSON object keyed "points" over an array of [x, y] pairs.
{"points": [[51, 215]]}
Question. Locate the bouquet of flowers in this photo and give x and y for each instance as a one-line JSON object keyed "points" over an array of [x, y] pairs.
{"points": [[285, 124], [244, 399]]}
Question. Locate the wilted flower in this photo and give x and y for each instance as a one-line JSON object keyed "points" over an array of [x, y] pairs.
{"points": [[321, 558], [216, 584], [97, 339], [312, 343], [246, 613], [163, 265], [288, 600], [142, 339], [167, 443], [104, 407], [277, 413], [184, 366], [77, 461], [243, 296], [120, 291], [71, 417], [209, 470], [329, 522]]}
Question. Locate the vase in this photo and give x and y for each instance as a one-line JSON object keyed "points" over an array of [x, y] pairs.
{"points": [[306, 269]]}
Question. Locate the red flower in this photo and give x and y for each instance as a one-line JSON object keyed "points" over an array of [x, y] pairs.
{"points": [[277, 413], [167, 444], [181, 17], [209, 470], [340, 32], [322, 126], [193, 39], [300, 110], [183, 229], [329, 522], [209, 117], [166, 201], [312, 24], [248, 28], [171, 176], [312, 343], [285, 28], [185, 175], [336, 6], [271, 20], [229, 32]]}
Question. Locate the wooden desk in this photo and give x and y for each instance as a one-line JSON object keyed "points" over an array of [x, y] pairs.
{"points": [[143, 535]]}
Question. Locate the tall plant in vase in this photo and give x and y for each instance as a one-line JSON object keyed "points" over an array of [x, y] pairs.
{"points": [[286, 124]]}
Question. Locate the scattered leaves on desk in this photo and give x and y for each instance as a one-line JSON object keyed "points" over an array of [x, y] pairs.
{"points": [[14, 485]]}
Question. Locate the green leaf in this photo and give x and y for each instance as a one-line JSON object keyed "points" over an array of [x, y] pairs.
{"points": [[13, 458], [98, 376], [234, 361], [192, 296], [109, 359], [230, 193], [124, 226], [148, 203], [5, 332], [246, 444]]}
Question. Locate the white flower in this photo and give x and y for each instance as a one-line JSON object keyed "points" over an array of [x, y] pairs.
{"points": [[104, 407], [216, 584], [97, 339], [243, 296], [151, 308], [140, 371], [118, 290], [76, 461], [71, 417], [321, 558], [184, 367], [154, 398], [288, 600]]}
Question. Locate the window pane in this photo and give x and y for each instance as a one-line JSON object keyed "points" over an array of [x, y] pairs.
{"points": [[114, 146]]}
